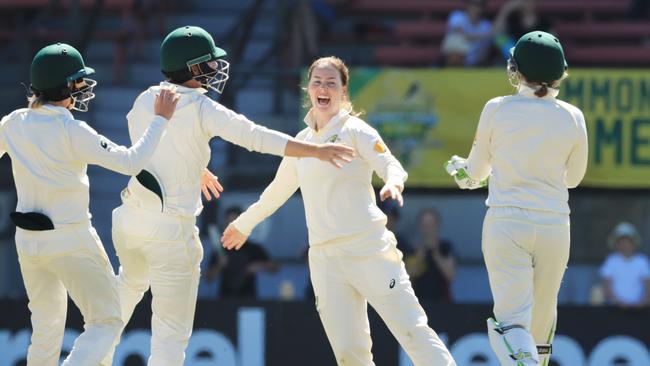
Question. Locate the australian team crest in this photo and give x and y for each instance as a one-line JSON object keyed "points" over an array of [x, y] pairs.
{"points": [[334, 138]]}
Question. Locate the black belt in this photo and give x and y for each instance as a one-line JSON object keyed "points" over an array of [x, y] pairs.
{"points": [[33, 221]]}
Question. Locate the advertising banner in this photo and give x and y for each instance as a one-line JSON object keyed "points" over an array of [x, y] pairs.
{"points": [[234, 333], [427, 115]]}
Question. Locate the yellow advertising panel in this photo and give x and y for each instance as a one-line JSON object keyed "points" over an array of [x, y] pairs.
{"points": [[427, 115], [616, 104]]}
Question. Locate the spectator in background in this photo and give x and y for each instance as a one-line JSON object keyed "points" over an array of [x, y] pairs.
{"points": [[309, 21], [239, 268], [519, 17], [626, 273], [516, 18], [468, 37], [432, 265], [304, 33]]}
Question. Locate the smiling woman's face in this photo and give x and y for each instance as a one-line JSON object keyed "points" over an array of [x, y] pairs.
{"points": [[326, 91]]}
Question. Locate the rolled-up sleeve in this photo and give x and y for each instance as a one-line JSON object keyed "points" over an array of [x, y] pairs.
{"points": [[218, 120], [93, 148], [283, 186], [372, 149]]}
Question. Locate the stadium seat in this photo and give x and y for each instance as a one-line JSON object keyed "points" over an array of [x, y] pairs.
{"points": [[13, 9], [420, 29], [428, 8], [608, 55], [603, 31], [407, 55]]}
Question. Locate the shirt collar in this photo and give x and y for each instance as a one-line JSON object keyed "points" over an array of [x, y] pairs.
{"points": [[530, 92], [53, 109], [183, 89], [338, 118]]}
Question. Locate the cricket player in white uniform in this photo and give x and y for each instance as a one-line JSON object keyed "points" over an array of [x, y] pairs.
{"points": [[58, 249], [353, 258], [533, 147], [154, 230]]}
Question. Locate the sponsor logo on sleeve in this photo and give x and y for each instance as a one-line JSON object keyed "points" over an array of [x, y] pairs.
{"points": [[379, 147]]}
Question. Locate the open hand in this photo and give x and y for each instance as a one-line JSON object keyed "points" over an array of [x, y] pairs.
{"points": [[393, 192], [165, 103], [210, 185], [336, 154], [232, 238]]}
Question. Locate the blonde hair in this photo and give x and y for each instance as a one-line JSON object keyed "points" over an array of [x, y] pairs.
{"points": [[36, 100], [542, 87], [344, 74]]}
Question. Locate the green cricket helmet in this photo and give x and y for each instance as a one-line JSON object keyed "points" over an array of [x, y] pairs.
{"points": [[189, 52], [58, 72], [539, 57]]}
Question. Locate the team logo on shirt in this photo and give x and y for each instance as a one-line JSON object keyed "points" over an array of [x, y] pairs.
{"points": [[104, 144], [334, 138]]}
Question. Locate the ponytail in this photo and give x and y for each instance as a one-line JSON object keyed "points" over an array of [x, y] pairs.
{"points": [[541, 88], [36, 100], [542, 91]]}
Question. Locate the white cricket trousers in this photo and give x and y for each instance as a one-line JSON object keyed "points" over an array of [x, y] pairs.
{"points": [[526, 253], [68, 260], [344, 284], [160, 251]]}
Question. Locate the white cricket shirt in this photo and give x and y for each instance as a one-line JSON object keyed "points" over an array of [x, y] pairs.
{"points": [[533, 148], [184, 150], [339, 202], [50, 151]]}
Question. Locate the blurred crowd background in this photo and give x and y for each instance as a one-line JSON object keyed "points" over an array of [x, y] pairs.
{"points": [[269, 45]]}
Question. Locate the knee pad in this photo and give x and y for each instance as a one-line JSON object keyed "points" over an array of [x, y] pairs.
{"points": [[512, 344]]}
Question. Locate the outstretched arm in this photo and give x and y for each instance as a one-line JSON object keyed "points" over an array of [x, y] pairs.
{"points": [[335, 154], [220, 121], [499, 24], [275, 195], [93, 148]]}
